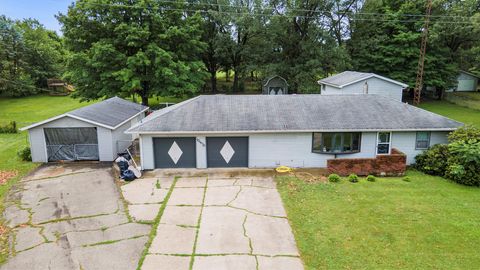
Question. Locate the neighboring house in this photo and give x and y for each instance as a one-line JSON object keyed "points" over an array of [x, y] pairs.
{"points": [[466, 82], [293, 130], [94, 132], [275, 85], [352, 82]]}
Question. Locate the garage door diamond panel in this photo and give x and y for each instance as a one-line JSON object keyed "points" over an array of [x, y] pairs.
{"points": [[227, 152], [174, 152]]}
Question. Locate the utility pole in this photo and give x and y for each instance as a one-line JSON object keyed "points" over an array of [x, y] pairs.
{"points": [[417, 92]]}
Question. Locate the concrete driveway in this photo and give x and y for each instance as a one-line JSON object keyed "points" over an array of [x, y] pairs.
{"points": [[72, 217], [217, 221]]}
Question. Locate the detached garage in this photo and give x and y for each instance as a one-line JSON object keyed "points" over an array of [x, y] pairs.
{"points": [[94, 132]]}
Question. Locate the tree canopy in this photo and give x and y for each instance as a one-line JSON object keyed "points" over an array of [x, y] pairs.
{"points": [[177, 48]]}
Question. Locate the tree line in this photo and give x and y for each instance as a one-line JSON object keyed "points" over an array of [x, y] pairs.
{"points": [[177, 48]]}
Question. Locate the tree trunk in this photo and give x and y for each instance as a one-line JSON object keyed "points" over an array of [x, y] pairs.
{"points": [[213, 80], [227, 75], [235, 80], [144, 93]]}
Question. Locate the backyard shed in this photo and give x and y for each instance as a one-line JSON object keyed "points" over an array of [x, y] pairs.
{"points": [[94, 132], [466, 82], [266, 131], [275, 85]]}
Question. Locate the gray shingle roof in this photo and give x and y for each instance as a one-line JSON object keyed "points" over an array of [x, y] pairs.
{"points": [[277, 113], [110, 112], [348, 77]]}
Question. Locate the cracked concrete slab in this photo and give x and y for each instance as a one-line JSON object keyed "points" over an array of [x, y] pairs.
{"points": [[173, 239], [125, 231], [143, 191], [124, 254], [220, 182], [165, 262], [225, 262], [71, 200], [243, 182], [45, 256], [143, 212], [221, 195], [270, 236], [279, 263], [181, 215], [15, 216], [266, 183], [222, 232], [75, 207], [27, 237], [260, 200], [186, 196], [52, 230], [191, 182]]}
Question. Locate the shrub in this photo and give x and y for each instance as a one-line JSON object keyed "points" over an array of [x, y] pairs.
{"points": [[371, 178], [464, 134], [9, 128], [334, 178], [464, 162], [25, 154], [406, 179], [434, 160], [353, 178]]}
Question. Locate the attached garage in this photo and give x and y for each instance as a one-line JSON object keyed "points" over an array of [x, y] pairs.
{"points": [[94, 132], [267, 131], [174, 152], [227, 152]]}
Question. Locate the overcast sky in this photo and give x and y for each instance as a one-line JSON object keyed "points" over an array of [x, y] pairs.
{"points": [[42, 10]]}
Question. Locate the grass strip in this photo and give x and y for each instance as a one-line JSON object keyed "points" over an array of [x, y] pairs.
{"points": [[156, 222], [198, 226]]}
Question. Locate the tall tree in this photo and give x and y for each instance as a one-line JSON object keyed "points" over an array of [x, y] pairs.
{"points": [[126, 47], [29, 55], [387, 42]]}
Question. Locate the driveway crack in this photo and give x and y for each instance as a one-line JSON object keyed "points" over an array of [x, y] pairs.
{"points": [[246, 235]]}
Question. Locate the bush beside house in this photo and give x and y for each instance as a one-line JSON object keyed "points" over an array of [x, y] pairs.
{"points": [[459, 160]]}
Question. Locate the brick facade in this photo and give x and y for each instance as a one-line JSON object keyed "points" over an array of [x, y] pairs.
{"points": [[391, 165]]}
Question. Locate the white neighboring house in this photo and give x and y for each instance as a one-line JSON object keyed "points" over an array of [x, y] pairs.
{"points": [[266, 131], [466, 82], [94, 132], [353, 82]]}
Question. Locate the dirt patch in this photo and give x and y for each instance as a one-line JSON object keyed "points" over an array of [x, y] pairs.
{"points": [[6, 175]]}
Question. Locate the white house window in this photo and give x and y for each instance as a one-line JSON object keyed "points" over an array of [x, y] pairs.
{"points": [[383, 143], [336, 142], [423, 140]]}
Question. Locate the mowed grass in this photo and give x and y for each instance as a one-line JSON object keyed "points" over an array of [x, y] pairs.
{"points": [[428, 223], [456, 112]]}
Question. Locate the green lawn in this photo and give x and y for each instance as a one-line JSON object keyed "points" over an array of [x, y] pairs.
{"points": [[453, 111], [428, 223]]}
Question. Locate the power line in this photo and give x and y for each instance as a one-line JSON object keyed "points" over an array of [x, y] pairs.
{"points": [[26, 85]]}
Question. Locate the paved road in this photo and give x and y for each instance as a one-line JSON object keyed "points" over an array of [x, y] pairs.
{"points": [[217, 222], [71, 217]]}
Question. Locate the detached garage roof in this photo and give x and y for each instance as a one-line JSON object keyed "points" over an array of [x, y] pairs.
{"points": [[345, 78], [110, 113], [291, 113]]}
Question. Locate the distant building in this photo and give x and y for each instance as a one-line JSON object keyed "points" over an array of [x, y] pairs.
{"points": [[466, 82], [352, 82], [275, 85]]}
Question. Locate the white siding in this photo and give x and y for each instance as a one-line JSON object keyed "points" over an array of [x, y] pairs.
{"points": [[106, 144], [405, 142], [146, 152], [201, 150], [295, 150], [121, 140], [375, 86]]}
